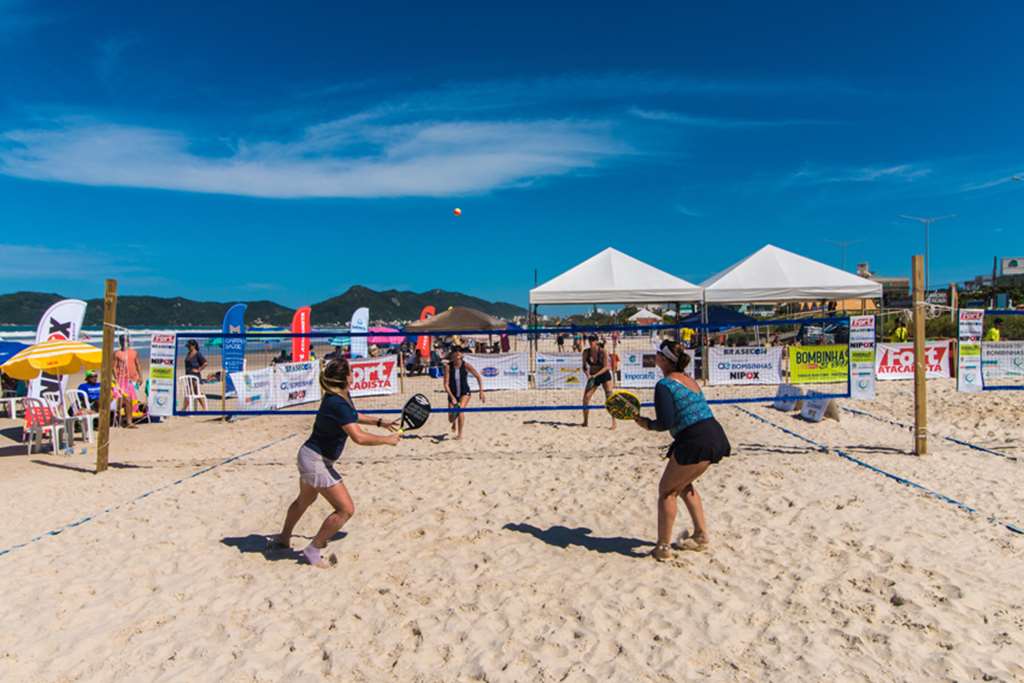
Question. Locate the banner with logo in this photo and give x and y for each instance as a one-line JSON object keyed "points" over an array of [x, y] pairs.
{"points": [[819, 364], [255, 389], [233, 348], [745, 365], [862, 357], [638, 371], [423, 341], [360, 323], [969, 375], [896, 361], [499, 370], [374, 376], [161, 373], [62, 321], [296, 383], [560, 371], [1002, 360], [301, 325]]}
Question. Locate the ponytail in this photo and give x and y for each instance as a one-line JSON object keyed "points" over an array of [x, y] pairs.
{"points": [[334, 377]]}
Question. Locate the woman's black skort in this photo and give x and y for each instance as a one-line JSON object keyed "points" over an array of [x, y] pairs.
{"points": [[700, 442]]}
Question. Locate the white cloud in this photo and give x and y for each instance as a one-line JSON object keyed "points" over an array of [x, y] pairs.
{"points": [[356, 156], [23, 261], [863, 174], [719, 122], [686, 211], [973, 187]]}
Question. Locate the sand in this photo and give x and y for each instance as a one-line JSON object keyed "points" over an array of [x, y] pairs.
{"points": [[519, 554]]}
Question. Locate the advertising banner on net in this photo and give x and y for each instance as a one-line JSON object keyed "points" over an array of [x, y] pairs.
{"points": [[896, 361], [1002, 360], [969, 376], [862, 357], [298, 383], [374, 376], [255, 389], [745, 364], [500, 370], [818, 364], [639, 371], [560, 371], [161, 374]]}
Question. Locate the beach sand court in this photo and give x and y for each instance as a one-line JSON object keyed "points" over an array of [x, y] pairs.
{"points": [[519, 553]]}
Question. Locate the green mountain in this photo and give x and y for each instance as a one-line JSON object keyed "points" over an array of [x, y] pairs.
{"points": [[25, 308]]}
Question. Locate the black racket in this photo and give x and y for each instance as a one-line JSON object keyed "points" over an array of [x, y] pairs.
{"points": [[415, 413]]}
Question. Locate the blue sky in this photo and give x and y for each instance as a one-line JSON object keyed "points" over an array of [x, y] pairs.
{"points": [[273, 150]]}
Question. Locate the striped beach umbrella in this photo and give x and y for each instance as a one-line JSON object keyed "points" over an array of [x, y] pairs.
{"points": [[58, 357]]}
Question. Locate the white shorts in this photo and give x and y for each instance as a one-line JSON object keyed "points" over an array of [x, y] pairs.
{"points": [[316, 470]]}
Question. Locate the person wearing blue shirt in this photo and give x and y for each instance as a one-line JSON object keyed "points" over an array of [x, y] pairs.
{"points": [[698, 441], [91, 387], [336, 421]]}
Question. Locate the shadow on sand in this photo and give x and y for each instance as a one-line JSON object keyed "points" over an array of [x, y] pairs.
{"points": [[552, 423], [260, 544], [91, 468], [563, 537]]}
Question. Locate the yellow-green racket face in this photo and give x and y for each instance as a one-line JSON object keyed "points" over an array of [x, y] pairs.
{"points": [[623, 405]]}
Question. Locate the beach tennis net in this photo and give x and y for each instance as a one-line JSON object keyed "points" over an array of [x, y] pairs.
{"points": [[1002, 361], [538, 369]]}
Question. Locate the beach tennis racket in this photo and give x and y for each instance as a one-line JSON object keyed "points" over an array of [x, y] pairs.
{"points": [[415, 413], [623, 405]]}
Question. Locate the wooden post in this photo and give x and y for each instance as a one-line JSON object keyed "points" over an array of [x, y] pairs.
{"points": [[954, 303], [223, 383], [920, 361], [401, 371], [106, 374]]}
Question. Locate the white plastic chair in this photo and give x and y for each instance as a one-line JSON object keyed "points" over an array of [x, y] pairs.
{"points": [[40, 422], [193, 392], [78, 401], [55, 401]]}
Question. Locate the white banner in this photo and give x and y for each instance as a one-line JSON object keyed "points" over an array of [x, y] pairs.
{"points": [[161, 373], [254, 389], [63, 320], [360, 323], [1002, 360], [560, 371], [374, 376], [296, 383], [745, 365], [500, 370], [862, 357], [896, 361], [639, 371], [969, 375]]}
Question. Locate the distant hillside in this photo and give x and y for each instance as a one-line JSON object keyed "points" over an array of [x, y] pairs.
{"points": [[25, 308]]}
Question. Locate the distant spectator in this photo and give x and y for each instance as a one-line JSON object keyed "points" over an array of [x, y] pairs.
{"points": [[995, 333], [91, 387], [560, 340], [901, 333], [195, 362]]}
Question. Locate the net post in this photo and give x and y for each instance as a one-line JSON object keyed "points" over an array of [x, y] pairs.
{"points": [[106, 372], [223, 383], [920, 369], [401, 371]]}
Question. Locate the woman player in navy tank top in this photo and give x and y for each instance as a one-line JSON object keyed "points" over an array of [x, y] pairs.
{"points": [[456, 385]]}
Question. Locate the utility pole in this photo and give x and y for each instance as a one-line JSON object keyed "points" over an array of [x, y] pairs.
{"points": [[920, 362], [927, 222]]}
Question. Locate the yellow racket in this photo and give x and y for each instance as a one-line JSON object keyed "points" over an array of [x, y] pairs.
{"points": [[623, 405]]}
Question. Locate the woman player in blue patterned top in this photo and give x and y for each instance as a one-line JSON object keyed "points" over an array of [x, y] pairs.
{"points": [[336, 421], [697, 442]]}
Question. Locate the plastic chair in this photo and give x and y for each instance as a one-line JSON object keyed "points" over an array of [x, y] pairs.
{"points": [[78, 401], [40, 422], [10, 399], [59, 409], [193, 392]]}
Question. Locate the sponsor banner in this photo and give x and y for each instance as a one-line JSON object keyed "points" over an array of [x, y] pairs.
{"points": [[786, 397], [499, 370], [296, 383], [814, 407], [969, 375], [862, 357], [896, 361], [1011, 266], [424, 340], [63, 320], [300, 325], [745, 365], [255, 389], [560, 371], [161, 374], [360, 323], [374, 376], [1002, 360], [233, 348], [639, 371], [818, 364]]}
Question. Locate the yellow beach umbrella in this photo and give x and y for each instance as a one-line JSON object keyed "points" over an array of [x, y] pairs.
{"points": [[57, 357]]}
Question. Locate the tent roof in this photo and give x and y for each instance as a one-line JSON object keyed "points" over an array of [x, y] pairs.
{"points": [[612, 277], [773, 274], [644, 314], [457, 319]]}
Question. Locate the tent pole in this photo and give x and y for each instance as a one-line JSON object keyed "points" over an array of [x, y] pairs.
{"points": [[532, 347], [704, 341]]}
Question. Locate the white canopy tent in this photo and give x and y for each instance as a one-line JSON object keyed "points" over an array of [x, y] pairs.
{"points": [[612, 277], [774, 274]]}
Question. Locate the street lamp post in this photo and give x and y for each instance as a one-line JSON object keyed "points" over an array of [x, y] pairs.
{"points": [[927, 222]]}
